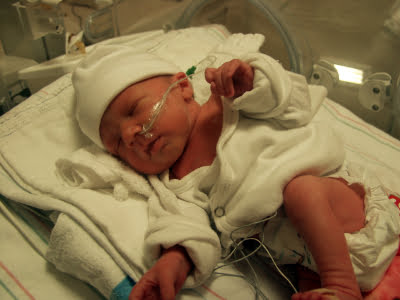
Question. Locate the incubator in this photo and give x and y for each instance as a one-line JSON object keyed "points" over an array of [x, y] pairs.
{"points": [[350, 48]]}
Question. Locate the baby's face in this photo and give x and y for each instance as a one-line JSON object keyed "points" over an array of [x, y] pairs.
{"points": [[123, 121]]}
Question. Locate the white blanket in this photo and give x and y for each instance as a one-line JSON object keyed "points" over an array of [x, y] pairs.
{"points": [[28, 155], [92, 168]]}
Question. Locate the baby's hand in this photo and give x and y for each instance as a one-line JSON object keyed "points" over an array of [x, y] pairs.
{"points": [[164, 280], [232, 79]]}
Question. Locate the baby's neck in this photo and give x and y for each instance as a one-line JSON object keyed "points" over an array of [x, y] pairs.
{"points": [[201, 148]]}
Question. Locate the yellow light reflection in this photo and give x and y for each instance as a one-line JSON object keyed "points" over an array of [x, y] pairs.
{"points": [[348, 74]]}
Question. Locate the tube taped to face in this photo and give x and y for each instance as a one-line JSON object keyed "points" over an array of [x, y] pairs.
{"points": [[156, 111], [157, 108]]}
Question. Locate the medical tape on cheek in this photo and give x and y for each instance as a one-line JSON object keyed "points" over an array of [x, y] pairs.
{"points": [[156, 111], [157, 108]]}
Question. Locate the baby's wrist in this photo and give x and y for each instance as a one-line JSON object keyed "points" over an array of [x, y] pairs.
{"points": [[179, 254]]}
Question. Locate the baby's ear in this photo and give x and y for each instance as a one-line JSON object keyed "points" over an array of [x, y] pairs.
{"points": [[184, 85]]}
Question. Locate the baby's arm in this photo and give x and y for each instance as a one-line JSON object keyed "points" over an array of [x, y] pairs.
{"points": [[232, 79], [273, 93], [175, 218], [164, 280]]}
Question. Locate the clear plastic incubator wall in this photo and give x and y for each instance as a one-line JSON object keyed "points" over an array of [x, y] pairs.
{"points": [[350, 47]]}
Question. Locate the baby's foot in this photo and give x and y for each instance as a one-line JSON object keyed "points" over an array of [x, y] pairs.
{"points": [[325, 294]]}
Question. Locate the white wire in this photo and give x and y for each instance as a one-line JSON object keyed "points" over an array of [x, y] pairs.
{"points": [[278, 269], [256, 288], [245, 257]]}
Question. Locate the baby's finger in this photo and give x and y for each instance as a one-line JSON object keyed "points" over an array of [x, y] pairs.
{"points": [[145, 289], [227, 77], [248, 74], [243, 79], [138, 292], [213, 88], [167, 289], [209, 74], [219, 85]]}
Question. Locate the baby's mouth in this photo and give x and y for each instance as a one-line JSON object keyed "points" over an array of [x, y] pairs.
{"points": [[154, 146]]}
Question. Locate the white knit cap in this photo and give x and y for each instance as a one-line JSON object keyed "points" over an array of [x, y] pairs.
{"points": [[103, 74]]}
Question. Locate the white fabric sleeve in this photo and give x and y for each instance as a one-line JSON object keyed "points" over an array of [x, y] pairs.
{"points": [[173, 221], [278, 94]]}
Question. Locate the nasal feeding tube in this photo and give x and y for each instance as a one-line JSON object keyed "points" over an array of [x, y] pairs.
{"points": [[156, 111], [146, 128]]}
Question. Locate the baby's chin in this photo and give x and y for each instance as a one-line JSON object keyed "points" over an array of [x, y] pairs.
{"points": [[154, 171], [153, 168], [157, 163]]}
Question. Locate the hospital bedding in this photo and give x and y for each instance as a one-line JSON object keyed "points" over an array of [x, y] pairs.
{"points": [[24, 271], [84, 242]]}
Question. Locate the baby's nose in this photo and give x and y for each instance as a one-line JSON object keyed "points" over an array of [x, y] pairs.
{"points": [[130, 135]]}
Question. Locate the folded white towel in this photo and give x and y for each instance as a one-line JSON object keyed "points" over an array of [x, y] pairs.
{"points": [[68, 251], [92, 168]]}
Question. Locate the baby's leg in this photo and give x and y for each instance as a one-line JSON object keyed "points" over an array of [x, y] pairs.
{"points": [[322, 209]]}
